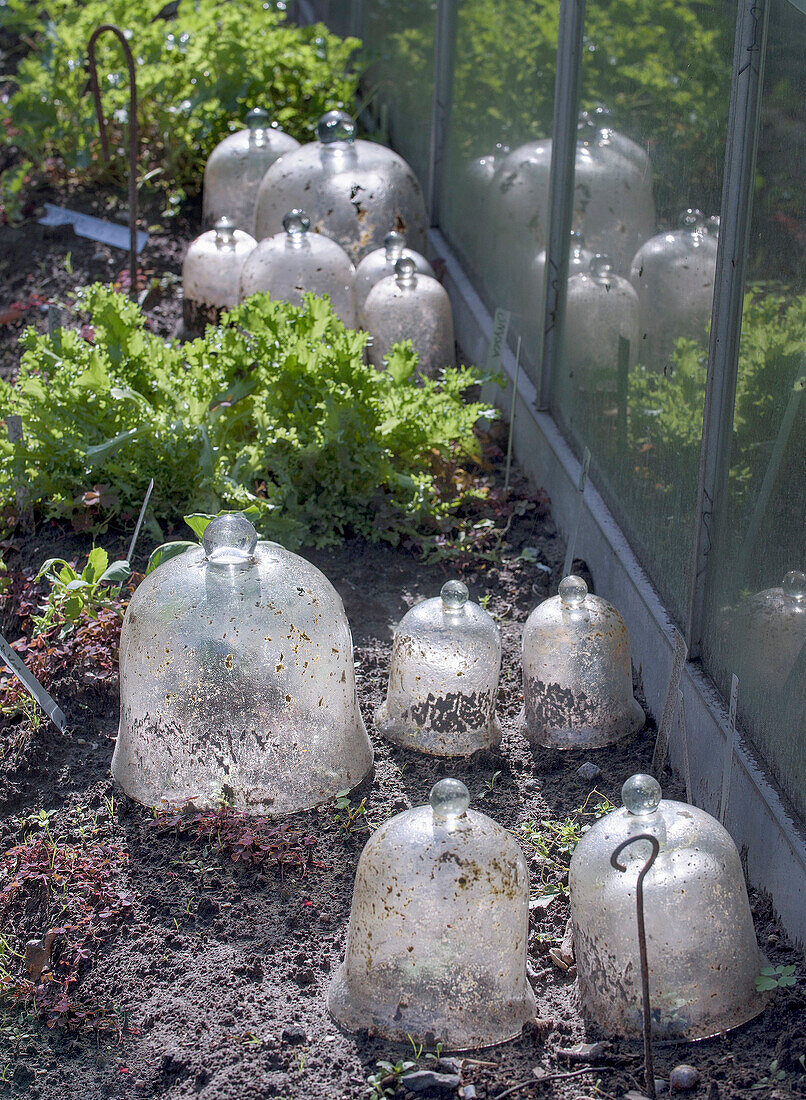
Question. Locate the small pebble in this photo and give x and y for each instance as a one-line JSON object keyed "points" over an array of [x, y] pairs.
{"points": [[468, 1092], [589, 771], [683, 1078]]}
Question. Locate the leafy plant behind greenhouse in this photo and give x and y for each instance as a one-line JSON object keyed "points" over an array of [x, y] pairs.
{"points": [[198, 72], [274, 408]]}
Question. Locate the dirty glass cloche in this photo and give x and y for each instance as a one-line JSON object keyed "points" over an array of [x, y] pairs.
{"points": [[443, 677], [577, 673], [237, 165], [380, 263], [701, 946], [296, 261], [237, 683], [438, 932], [211, 274], [411, 306], [353, 190]]}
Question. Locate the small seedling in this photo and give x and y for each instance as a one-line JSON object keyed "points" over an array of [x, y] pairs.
{"points": [[351, 816], [775, 977], [97, 586]]}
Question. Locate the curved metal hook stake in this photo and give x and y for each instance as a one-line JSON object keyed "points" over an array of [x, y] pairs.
{"points": [[99, 111], [649, 1069]]}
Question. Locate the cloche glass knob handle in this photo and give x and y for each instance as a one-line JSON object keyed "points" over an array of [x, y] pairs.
{"points": [[230, 540], [335, 126], [257, 119], [641, 794], [404, 270], [794, 586], [572, 591], [296, 223], [225, 233], [394, 243], [454, 595], [449, 799]]}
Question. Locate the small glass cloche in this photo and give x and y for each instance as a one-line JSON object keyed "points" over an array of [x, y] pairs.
{"points": [[353, 190], [601, 312], [237, 683], [577, 674], [409, 306], [702, 953], [443, 679], [380, 263], [772, 626], [674, 274], [534, 289], [437, 939], [211, 274], [296, 261], [236, 166]]}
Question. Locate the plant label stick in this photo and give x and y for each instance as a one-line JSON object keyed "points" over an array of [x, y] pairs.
{"points": [[661, 749], [512, 411], [140, 519], [583, 478], [20, 669], [499, 337], [681, 720], [730, 749]]}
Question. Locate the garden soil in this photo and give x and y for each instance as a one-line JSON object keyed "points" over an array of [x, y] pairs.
{"points": [[218, 975]]}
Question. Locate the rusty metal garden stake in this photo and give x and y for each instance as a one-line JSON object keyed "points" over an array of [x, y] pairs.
{"points": [[649, 1069], [99, 110]]}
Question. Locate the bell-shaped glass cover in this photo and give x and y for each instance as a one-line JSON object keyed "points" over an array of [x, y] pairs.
{"points": [[601, 329], [702, 953], [353, 190], [297, 261], [534, 287], [236, 167], [443, 679], [410, 306], [773, 624], [437, 939], [577, 674], [211, 273], [380, 263], [613, 204], [237, 683], [673, 274]]}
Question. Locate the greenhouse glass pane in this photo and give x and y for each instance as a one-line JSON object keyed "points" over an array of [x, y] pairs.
{"points": [[755, 621], [501, 115], [630, 382], [399, 49]]}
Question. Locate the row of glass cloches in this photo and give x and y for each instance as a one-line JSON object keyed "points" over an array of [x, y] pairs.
{"points": [[331, 217], [238, 686]]}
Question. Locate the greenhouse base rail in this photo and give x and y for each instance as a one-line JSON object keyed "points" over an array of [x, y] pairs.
{"points": [[772, 842]]}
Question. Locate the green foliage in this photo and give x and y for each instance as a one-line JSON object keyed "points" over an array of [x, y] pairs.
{"points": [[274, 409], [775, 977], [666, 410], [71, 593], [198, 72]]}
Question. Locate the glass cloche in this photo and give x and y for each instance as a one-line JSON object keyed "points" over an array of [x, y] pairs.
{"points": [[673, 274], [772, 626], [613, 204], [236, 166], [410, 306], [702, 953], [577, 673], [601, 311], [443, 679], [353, 190], [437, 939], [296, 261], [380, 263], [579, 260], [211, 274], [237, 683], [516, 219]]}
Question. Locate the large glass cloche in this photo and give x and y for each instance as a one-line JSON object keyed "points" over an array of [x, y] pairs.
{"points": [[237, 683], [236, 167], [702, 953], [211, 274], [443, 678], [380, 263], [577, 674], [410, 306], [354, 191], [437, 939], [297, 261], [673, 274]]}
